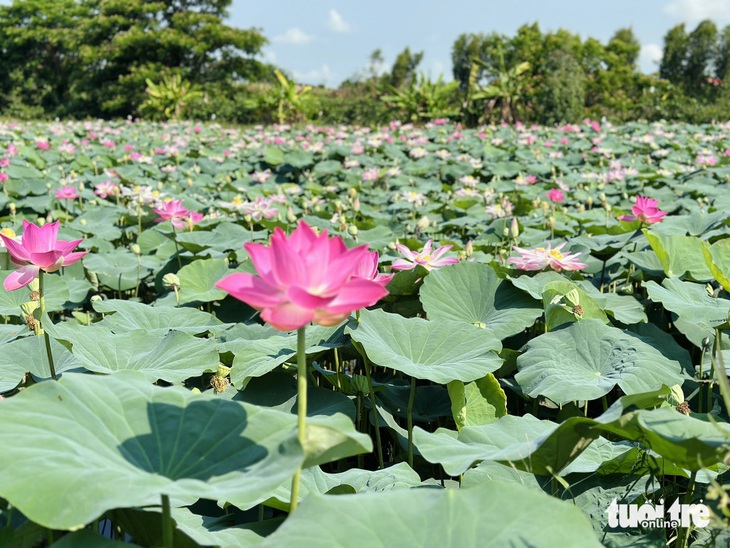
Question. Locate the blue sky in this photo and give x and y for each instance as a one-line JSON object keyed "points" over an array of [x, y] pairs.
{"points": [[327, 41]]}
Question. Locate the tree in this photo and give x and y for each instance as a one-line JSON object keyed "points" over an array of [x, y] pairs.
{"points": [[404, 68], [624, 48], [562, 93], [674, 57], [701, 49], [722, 58], [39, 43], [92, 57]]}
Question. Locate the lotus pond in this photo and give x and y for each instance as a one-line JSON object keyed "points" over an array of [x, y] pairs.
{"points": [[503, 336]]}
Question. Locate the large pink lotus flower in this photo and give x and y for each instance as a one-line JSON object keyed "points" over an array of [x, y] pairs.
{"points": [[176, 213], [427, 257], [304, 278], [367, 268], [39, 249], [541, 257], [645, 210]]}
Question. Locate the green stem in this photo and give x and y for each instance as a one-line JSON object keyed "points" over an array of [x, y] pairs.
{"points": [[177, 249], [683, 535], [301, 411], [47, 339], [167, 526], [720, 372], [409, 418], [604, 401], [378, 443]]}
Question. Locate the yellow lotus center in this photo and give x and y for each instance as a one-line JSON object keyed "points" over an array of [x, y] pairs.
{"points": [[540, 249], [555, 253], [426, 257], [8, 232]]}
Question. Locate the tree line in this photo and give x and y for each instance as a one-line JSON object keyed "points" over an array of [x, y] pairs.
{"points": [[165, 59]]}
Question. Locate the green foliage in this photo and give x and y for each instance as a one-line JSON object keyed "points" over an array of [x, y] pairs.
{"points": [[562, 93], [93, 57], [168, 99], [423, 99]]}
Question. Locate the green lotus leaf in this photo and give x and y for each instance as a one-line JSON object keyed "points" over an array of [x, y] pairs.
{"points": [[427, 517], [585, 360], [472, 292], [105, 442], [437, 350]]}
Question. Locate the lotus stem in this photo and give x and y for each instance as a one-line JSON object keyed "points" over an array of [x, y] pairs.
{"points": [[378, 443], [301, 411], [167, 527], [409, 418], [42, 299]]}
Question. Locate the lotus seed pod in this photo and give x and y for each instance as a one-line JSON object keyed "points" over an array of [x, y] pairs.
{"points": [[505, 232], [608, 207], [551, 221], [12, 207], [352, 229], [352, 192], [391, 246], [136, 249], [170, 281], [581, 208], [423, 223], [95, 299], [589, 201], [41, 221], [248, 218]]}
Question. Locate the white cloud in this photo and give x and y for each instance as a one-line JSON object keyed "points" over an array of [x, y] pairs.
{"points": [[337, 23], [693, 11], [294, 36], [649, 58], [316, 76]]}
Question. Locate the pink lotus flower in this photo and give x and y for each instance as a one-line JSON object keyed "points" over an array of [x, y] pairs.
{"points": [[367, 268], [107, 188], [4, 177], [39, 249], [556, 195], [427, 257], [66, 193], [645, 210], [539, 258], [176, 213], [304, 278]]}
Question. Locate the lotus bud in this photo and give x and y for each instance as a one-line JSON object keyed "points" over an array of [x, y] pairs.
{"points": [[136, 249], [391, 246], [352, 192], [12, 208], [423, 223], [290, 215], [602, 196], [581, 208], [608, 207], [352, 229], [338, 206], [505, 232], [356, 204], [171, 281], [160, 185], [81, 185], [96, 299], [469, 248], [190, 183], [589, 201], [544, 205], [551, 222], [514, 229]]}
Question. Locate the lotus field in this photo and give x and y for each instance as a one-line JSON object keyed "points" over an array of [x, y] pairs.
{"points": [[340, 336]]}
